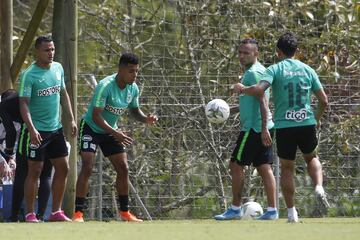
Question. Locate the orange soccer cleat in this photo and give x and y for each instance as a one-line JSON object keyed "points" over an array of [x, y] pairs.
{"points": [[78, 217], [128, 216]]}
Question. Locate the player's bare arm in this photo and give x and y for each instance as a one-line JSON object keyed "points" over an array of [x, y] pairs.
{"points": [[119, 135], [254, 90], [66, 107], [35, 137], [141, 117], [322, 104], [264, 110]]}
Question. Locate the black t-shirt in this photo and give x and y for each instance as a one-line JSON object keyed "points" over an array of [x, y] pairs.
{"points": [[9, 113]]}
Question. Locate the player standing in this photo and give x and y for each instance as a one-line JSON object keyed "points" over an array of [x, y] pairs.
{"points": [[249, 148], [41, 90], [292, 83]]}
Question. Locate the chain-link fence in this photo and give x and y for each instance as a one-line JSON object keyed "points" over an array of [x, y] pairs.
{"points": [[179, 168]]}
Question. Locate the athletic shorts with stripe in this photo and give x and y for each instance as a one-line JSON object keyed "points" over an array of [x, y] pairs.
{"points": [[53, 145], [89, 141], [250, 150], [288, 139]]}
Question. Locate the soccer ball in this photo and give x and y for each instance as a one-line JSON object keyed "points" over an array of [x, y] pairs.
{"points": [[251, 210], [217, 111]]}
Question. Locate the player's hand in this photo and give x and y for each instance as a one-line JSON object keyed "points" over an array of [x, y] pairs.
{"points": [[123, 138], [151, 119], [12, 165], [238, 88], [266, 138], [5, 171], [35, 138], [74, 129]]}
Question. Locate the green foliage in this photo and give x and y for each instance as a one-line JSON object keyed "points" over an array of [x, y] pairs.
{"points": [[188, 52]]}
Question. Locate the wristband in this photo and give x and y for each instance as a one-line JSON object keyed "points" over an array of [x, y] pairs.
{"points": [[5, 156], [9, 152]]}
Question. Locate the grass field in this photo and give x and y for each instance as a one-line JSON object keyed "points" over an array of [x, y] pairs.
{"points": [[319, 229]]}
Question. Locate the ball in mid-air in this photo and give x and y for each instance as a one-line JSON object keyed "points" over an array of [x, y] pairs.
{"points": [[217, 111]]}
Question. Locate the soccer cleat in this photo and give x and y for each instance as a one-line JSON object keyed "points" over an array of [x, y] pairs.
{"points": [[322, 199], [31, 218], [78, 217], [229, 214], [269, 215], [59, 216], [294, 218], [128, 216]]}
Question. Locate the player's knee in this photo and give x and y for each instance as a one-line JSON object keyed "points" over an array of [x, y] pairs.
{"points": [[86, 169], [123, 168]]}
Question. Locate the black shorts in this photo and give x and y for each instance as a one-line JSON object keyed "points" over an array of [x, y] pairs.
{"points": [[250, 150], [52, 146], [288, 139], [89, 140]]}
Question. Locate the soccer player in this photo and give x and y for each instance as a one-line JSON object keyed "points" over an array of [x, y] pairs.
{"points": [[42, 90], [249, 148], [113, 95], [292, 83], [10, 126]]}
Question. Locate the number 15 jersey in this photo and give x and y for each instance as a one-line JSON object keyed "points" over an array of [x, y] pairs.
{"points": [[292, 84]]}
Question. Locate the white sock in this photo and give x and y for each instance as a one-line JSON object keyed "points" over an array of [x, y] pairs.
{"points": [[319, 189], [235, 208], [292, 213], [269, 209]]}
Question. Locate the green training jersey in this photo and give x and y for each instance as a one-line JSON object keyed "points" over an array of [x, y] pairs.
{"points": [[114, 100], [250, 115], [42, 86], [292, 83]]}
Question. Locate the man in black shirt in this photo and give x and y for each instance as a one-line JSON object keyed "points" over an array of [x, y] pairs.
{"points": [[11, 120]]}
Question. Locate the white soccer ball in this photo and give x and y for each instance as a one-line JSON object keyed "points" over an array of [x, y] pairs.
{"points": [[217, 111], [251, 210]]}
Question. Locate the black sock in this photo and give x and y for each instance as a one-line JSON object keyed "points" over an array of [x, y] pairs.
{"points": [[79, 204], [123, 201]]}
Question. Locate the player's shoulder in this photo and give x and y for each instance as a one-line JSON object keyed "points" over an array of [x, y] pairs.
{"points": [[29, 72], [56, 65], [106, 83], [256, 70]]}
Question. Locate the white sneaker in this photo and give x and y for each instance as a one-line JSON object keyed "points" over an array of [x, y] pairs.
{"points": [[321, 196], [293, 218]]}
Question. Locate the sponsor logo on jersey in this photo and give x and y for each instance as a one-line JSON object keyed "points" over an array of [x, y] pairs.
{"points": [[49, 91], [294, 73], [114, 110], [297, 116]]}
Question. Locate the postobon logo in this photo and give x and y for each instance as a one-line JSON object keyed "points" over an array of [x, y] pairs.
{"points": [[297, 116], [114, 110], [49, 91]]}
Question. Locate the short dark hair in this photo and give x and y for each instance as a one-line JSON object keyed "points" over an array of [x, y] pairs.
{"points": [[7, 93], [128, 58], [41, 39], [287, 43], [249, 41]]}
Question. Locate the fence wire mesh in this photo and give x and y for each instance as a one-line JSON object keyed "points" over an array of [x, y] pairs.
{"points": [[179, 168]]}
